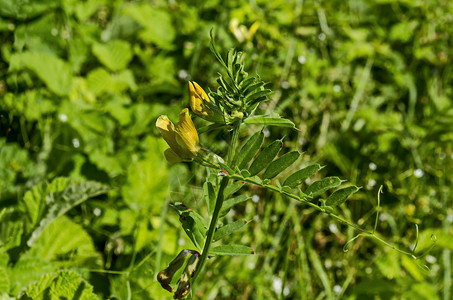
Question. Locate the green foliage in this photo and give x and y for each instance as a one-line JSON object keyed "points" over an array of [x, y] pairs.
{"points": [[65, 284], [367, 84]]}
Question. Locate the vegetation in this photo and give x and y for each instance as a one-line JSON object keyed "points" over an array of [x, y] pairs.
{"points": [[89, 207]]}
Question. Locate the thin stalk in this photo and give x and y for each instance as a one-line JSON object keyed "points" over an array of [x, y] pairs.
{"points": [[219, 201], [212, 226]]}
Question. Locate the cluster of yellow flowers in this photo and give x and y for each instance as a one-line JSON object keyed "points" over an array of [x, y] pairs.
{"points": [[183, 138]]}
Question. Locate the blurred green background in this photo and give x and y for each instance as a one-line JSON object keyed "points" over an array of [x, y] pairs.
{"points": [[368, 83]]}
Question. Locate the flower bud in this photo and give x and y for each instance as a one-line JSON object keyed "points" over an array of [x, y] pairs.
{"points": [[184, 283], [165, 276], [202, 106]]}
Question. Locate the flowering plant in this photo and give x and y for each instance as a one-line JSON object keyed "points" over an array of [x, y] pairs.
{"points": [[230, 107]]}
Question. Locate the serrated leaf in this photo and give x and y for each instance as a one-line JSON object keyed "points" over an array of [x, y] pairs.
{"points": [[229, 229], [299, 177], [4, 281], [157, 24], [280, 164], [340, 196], [63, 201], [320, 186], [27, 270], [249, 150], [115, 55], [62, 237], [61, 285], [228, 204], [53, 71], [231, 250], [265, 157], [209, 196], [269, 121]]}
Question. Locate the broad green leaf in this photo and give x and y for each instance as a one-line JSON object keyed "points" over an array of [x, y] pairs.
{"points": [[27, 270], [4, 281], [61, 285], [229, 229], [249, 150], [115, 55], [156, 22], [299, 177], [265, 157], [280, 164], [413, 268], [66, 243], [19, 10], [61, 202], [269, 121], [52, 70], [443, 239], [228, 204], [339, 196], [101, 81], [11, 229], [209, 196], [147, 183], [320, 186], [234, 250]]}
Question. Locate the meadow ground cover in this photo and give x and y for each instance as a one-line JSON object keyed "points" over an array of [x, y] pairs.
{"points": [[90, 208]]}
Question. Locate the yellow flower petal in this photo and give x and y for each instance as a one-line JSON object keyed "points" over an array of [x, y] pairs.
{"points": [[167, 129], [197, 97], [187, 136], [201, 104], [172, 157]]}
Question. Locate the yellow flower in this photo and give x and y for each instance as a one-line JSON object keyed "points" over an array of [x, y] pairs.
{"points": [[182, 139], [202, 105]]}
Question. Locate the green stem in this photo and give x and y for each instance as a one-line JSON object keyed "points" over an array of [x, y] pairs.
{"points": [[219, 202], [212, 226]]}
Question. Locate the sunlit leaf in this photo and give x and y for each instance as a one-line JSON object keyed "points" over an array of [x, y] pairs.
{"points": [[234, 250]]}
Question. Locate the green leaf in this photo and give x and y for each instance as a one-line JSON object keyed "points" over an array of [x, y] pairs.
{"points": [[231, 250], [249, 150], [27, 270], [194, 226], [156, 22], [209, 196], [280, 164], [269, 121], [4, 281], [232, 188], [339, 196], [53, 71], [228, 204], [66, 243], [115, 55], [63, 201], [61, 285], [265, 157], [299, 177], [229, 229], [257, 95], [320, 186]]}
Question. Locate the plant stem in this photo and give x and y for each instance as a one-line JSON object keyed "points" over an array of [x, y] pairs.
{"points": [[219, 201], [212, 226]]}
